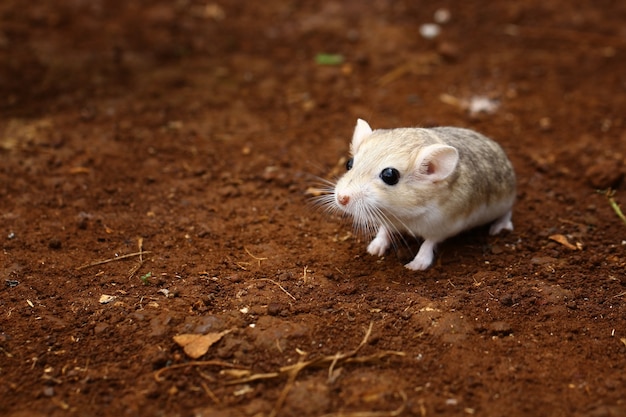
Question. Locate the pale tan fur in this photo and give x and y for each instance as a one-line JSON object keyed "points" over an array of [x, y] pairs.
{"points": [[475, 189]]}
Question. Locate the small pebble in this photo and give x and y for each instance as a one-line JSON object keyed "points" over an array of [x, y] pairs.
{"points": [[497, 249], [509, 299], [430, 30], [605, 173], [542, 260], [82, 220], [100, 327], [442, 16], [12, 283], [229, 191], [54, 243], [235, 278], [448, 51], [545, 124], [348, 288], [481, 104], [273, 309]]}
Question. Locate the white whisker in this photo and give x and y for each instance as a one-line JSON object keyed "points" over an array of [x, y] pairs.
{"points": [[366, 220], [395, 234]]}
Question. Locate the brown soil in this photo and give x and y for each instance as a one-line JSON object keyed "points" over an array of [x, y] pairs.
{"points": [[192, 130]]}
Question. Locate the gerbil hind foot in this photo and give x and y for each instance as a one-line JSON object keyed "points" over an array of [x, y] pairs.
{"points": [[424, 257], [381, 242], [503, 223]]}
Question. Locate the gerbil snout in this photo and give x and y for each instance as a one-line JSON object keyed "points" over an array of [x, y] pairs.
{"points": [[343, 200]]}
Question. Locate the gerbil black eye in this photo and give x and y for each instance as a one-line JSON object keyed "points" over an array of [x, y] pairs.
{"points": [[390, 176], [349, 164]]}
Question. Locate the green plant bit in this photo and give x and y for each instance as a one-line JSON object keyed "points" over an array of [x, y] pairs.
{"points": [[145, 278], [610, 193], [329, 59]]}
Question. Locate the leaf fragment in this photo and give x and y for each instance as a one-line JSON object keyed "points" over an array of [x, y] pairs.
{"points": [[565, 242], [196, 345]]}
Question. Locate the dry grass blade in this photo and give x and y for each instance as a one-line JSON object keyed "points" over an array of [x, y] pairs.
{"points": [[279, 286], [135, 268], [333, 360], [157, 374], [256, 258], [8, 354], [392, 413], [365, 338], [374, 357], [254, 377], [117, 258], [210, 393], [293, 374], [337, 357], [616, 208]]}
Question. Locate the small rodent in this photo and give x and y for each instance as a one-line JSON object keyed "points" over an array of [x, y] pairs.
{"points": [[431, 183]]}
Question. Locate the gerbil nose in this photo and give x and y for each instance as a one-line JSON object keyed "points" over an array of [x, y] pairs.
{"points": [[343, 199]]}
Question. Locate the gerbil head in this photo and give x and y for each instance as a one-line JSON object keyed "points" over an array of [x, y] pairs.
{"points": [[393, 176]]}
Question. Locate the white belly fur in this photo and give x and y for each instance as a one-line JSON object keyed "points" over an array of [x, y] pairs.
{"points": [[436, 226]]}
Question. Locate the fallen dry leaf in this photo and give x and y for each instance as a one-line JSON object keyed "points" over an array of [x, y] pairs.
{"points": [[106, 299], [563, 241], [196, 345]]}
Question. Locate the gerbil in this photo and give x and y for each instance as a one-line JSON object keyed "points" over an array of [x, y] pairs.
{"points": [[430, 183]]}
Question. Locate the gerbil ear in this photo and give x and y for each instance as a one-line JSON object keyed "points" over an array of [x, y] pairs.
{"points": [[436, 162], [361, 131]]}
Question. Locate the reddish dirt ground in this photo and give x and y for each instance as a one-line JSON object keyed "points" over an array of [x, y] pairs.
{"points": [[192, 131]]}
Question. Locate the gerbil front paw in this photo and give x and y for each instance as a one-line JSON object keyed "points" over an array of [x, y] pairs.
{"points": [[381, 242], [419, 264], [424, 257], [378, 246]]}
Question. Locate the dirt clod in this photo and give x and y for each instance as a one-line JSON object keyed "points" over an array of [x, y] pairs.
{"points": [[500, 328], [55, 243]]}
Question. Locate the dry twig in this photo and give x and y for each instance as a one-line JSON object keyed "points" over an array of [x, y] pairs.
{"points": [[392, 413], [157, 374], [279, 286], [610, 194], [210, 393], [258, 259], [117, 258], [331, 360], [138, 265], [292, 372]]}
